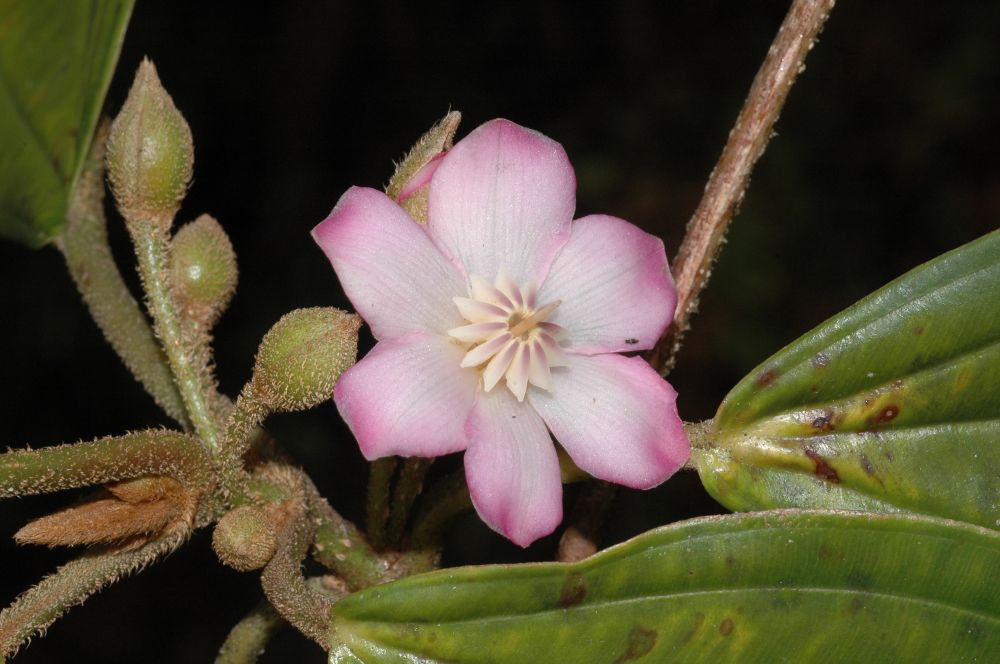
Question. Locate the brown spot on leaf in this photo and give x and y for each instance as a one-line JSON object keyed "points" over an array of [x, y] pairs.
{"points": [[918, 330], [766, 378], [867, 466], [824, 422], [699, 621], [887, 414], [820, 361], [823, 469], [726, 627], [573, 592], [641, 641]]}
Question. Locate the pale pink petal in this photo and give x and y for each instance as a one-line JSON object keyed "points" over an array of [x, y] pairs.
{"points": [[503, 196], [616, 291], [408, 397], [512, 468], [616, 418], [390, 269]]}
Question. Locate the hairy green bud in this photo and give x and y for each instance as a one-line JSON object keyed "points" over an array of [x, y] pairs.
{"points": [[150, 152], [303, 355], [245, 538], [203, 269]]}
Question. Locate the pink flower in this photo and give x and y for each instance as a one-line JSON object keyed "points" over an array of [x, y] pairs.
{"points": [[501, 286]]}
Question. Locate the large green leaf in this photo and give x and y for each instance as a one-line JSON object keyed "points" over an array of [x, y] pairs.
{"points": [[892, 405], [56, 60], [768, 587]]}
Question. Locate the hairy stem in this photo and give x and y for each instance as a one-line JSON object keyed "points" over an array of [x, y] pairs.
{"points": [[71, 584], [84, 245], [377, 508], [241, 427], [340, 546], [707, 228], [408, 487], [729, 179], [247, 639], [189, 359], [284, 585], [153, 452]]}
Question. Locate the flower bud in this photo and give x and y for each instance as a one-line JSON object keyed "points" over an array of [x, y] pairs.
{"points": [[410, 183], [203, 269], [303, 355], [150, 152], [244, 538]]}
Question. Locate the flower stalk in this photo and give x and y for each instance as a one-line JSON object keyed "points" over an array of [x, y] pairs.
{"points": [[84, 245]]}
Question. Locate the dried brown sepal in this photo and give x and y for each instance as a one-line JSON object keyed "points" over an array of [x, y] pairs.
{"points": [[127, 515]]}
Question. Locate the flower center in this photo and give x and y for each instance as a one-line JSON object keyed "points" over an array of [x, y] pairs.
{"points": [[509, 335]]}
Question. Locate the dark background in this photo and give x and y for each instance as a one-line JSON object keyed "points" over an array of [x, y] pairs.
{"points": [[887, 155]]}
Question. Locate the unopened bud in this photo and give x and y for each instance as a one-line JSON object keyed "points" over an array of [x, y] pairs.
{"points": [[303, 355], [203, 269], [410, 183], [150, 152], [245, 539]]}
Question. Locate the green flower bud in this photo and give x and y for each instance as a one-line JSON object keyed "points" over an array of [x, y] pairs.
{"points": [[245, 538], [203, 269], [150, 152], [303, 355]]}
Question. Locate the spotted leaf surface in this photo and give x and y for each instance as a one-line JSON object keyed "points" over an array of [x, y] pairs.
{"points": [[56, 61], [777, 586], [892, 405]]}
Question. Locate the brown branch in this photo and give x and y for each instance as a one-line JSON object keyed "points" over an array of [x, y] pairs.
{"points": [[728, 182], [705, 232]]}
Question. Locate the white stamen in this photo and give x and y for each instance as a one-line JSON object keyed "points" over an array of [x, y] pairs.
{"points": [[478, 312], [477, 332], [509, 334], [485, 351]]}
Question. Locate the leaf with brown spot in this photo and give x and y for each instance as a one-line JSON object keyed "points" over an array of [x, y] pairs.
{"points": [[803, 587], [861, 413]]}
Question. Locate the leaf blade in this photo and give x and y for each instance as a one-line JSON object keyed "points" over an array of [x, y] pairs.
{"points": [[736, 588], [56, 61], [893, 404]]}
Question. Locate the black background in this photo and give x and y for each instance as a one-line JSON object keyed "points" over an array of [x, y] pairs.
{"points": [[886, 155]]}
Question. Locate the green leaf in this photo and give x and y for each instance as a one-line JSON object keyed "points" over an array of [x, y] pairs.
{"points": [[56, 61], [767, 587], [892, 405]]}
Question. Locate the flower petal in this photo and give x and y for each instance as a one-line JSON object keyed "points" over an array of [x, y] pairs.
{"points": [[616, 418], [390, 269], [408, 397], [616, 290], [512, 468], [503, 196]]}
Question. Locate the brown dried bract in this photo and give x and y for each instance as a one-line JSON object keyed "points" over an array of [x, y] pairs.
{"points": [[126, 514]]}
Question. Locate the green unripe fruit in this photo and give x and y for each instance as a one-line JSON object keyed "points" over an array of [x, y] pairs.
{"points": [[303, 355], [203, 269], [150, 152], [244, 538]]}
